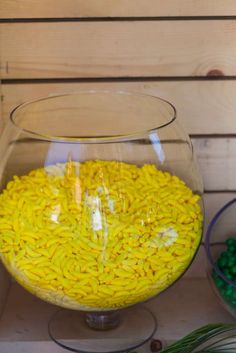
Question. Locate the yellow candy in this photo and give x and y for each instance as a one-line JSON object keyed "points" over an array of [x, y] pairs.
{"points": [[99, 234]]}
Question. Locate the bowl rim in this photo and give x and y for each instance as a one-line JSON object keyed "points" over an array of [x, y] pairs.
{"points": [[94, 139]]}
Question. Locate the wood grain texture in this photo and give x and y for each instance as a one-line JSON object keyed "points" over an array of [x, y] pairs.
{"points": [[204, 107], [118, 49], [108, 8], [217, 161], [1, 107], [213, 203]]}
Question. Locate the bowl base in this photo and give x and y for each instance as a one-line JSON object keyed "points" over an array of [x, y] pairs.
{"points": [[132, 328]]}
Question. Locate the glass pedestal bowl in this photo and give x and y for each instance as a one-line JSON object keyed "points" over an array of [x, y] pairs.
{"points": [[100, 210], [221, 253]]}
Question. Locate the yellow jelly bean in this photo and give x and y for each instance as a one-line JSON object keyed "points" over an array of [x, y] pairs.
{"points": [[98, 234]]}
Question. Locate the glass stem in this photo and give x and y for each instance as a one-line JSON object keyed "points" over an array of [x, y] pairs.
{"points": [[105, 320]]}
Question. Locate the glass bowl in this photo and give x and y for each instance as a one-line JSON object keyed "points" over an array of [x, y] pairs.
{"points": [[101, 200], [221, 253]]}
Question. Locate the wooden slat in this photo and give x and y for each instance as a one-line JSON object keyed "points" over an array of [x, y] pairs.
{"points": [[108, 8], [217, 160], [1, 106], [214, 202], [118, 49], [204, 107]]}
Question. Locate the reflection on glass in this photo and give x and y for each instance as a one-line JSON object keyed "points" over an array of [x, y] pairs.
{"points": [[101, 200]]}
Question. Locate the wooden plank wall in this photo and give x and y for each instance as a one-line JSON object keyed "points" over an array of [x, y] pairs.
{"points": [[183, 51]]}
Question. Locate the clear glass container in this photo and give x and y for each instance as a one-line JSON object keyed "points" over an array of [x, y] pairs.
{"points": [[221, 253], [100, 206]]}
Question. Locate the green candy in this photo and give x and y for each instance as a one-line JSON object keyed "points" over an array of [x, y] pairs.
{"points": [[233, 270], [231, 262], [231, 241], [226, 262], [224, 255], [222, 263], [229, 291], [220, 283], [231, 249], [226, 272]]}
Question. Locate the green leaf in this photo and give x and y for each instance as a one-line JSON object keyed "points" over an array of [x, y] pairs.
{"points": [[213, 338]]}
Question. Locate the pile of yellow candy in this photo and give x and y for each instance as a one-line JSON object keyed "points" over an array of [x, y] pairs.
{"points": [[98, 235]]}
